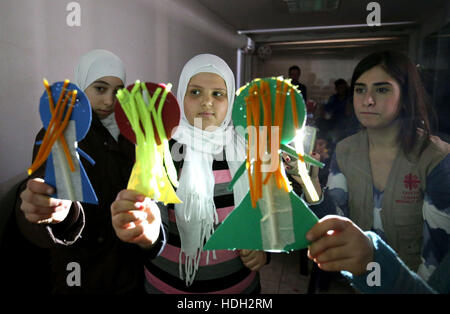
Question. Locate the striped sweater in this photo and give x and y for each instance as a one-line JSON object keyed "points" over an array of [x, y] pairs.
{"points": [[224, 275]]}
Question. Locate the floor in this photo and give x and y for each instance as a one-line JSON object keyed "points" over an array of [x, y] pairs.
{"points": [[282, 276]]}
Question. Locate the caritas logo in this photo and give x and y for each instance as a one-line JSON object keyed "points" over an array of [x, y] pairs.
{"points": [[411, 182]]}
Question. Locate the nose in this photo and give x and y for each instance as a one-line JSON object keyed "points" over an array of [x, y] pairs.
{"points": [[369, 100], [207, 100], [109, 99]]}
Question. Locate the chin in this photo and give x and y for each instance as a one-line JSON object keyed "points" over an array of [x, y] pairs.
{"points": [[102, 116], [210, 128]]}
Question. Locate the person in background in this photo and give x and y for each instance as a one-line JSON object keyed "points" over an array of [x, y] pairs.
{"points": [[338, 120], [294, 75], [336, 105]]}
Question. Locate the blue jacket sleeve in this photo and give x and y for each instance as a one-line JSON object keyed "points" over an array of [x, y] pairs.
{"points": [[436, 214], [391, 275]]}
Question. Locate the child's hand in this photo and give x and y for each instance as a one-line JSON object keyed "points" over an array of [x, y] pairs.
{"points": [[37, 205], [135, 218], [321, 149], [253, 260], [290, 165], [339, 244]]}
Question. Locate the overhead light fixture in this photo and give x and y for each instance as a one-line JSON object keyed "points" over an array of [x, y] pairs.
{"points": [[321, 47], [308, 6], [318, 28], [333, 41]]}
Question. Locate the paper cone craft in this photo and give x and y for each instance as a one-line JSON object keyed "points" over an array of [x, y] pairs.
{"points": [[269, 113]]}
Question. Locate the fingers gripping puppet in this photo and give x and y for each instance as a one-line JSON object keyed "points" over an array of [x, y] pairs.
{"points": [[66, 123], [146, 114], [271, 216]]}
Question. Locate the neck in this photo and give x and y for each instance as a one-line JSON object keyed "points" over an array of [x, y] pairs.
{"points": [[385, 138]]}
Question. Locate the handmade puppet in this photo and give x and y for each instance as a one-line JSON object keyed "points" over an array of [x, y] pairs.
{"points": [[270, 113], [146, 114], [66, 123]]}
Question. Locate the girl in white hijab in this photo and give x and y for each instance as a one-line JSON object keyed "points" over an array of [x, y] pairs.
{"points": [[81, 232], [206, 130], [100, 73]]}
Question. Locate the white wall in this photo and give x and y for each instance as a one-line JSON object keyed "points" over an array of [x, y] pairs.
{"points": [[154, 38]]}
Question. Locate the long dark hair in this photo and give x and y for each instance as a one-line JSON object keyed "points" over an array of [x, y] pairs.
{"points": [[416, 112]]}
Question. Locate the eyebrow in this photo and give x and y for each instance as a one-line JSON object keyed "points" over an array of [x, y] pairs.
{"points": [[102, 82], [374, 84], [382, 83], [198, 86], [106, 83]]}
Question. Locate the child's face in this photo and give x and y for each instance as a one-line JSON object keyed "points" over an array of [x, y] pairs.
{"points": [[102, 93], [206, 99], [376, 98]]}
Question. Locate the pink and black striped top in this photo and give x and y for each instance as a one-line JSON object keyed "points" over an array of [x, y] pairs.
{"points": [[224, 275]]}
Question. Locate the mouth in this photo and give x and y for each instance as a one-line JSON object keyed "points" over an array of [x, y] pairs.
{"points": [[369, 113], [206, 114], [105, 112]]}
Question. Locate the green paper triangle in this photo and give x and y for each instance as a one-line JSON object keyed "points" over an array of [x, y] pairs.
{"points": [[242, 230]]}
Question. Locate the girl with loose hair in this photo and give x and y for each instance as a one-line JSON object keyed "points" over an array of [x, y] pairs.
{"points": [[392, 177]]}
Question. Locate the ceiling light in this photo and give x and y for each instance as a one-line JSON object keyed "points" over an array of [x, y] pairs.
{"points": [[308, 6]]}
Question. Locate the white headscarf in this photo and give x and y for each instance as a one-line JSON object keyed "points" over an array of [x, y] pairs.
{"points": [[93, 65], [197, 214]]}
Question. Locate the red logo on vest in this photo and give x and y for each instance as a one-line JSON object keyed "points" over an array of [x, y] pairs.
{"points": [[411, 181]]}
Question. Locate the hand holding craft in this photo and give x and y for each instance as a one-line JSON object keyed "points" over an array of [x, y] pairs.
{"points": [[39, 207], [49, 200], [339, 244], [135, 218], [253, 259]]}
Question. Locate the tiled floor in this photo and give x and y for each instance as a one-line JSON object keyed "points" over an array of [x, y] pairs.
{"points": [[282, 276]]}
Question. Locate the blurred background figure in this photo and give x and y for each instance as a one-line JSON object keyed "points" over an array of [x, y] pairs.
{"points": [[294, 75]]}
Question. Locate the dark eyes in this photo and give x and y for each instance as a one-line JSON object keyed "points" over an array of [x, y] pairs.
{"points": [[360, 90], [218, 94], [103, 89], [100, 89], [197, 92], [380, 90]]}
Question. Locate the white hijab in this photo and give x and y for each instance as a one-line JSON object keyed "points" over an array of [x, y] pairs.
{"points": [[197, 214], [93, 65]]}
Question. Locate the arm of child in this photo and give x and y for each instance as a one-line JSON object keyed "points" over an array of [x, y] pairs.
{"points": [[43, 220], [333, 200], [136, 219], [46, 221], [39, 207], [291, 168], [253, 259]]}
